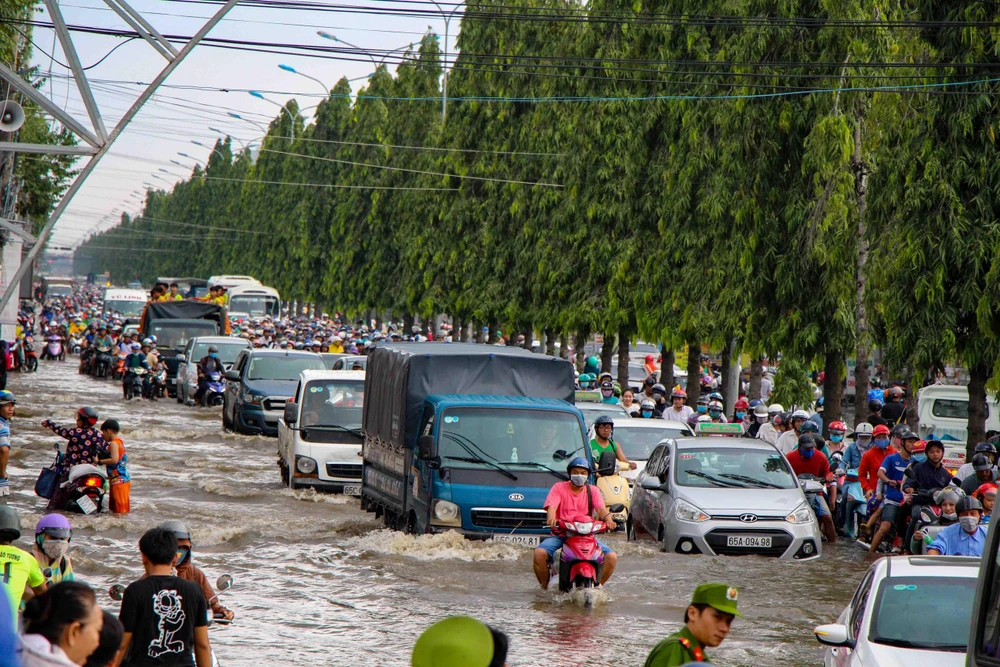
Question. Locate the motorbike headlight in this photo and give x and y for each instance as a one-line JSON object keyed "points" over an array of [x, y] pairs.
{"points": [[305, 465], [254, 399], [801, 514], [584, 528], [685, 511], [446, 512]]}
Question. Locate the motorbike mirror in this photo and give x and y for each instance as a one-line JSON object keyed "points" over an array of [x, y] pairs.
{"points": [[560, 455], [811, 486], [224, 582], [616, 508], [117, 592], [607, 464]]}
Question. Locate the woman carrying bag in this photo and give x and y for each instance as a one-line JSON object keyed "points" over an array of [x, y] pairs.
{"points": [[85, 443]]}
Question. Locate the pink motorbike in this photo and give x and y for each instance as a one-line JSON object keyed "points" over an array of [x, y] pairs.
{"points": [[579, 562]]}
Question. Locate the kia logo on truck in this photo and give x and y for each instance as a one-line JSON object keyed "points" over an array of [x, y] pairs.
{"points": [[516, 497]]}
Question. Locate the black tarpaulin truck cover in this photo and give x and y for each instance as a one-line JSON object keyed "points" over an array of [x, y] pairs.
{"points": [[185, 310], [400, 376]]}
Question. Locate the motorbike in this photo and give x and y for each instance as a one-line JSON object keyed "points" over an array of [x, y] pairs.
{"points": [[215, 388], [157, 384], [614, 487], [854, 507], [132, 384], [75, 344], [53, 349], [222, 584], [102, 363], [25, 359], [578, 564], [87, 486], [118, 370]]}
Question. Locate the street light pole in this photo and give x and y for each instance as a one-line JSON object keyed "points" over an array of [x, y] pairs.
{"points": [[289, 68], [444, 58], [280, 106]]}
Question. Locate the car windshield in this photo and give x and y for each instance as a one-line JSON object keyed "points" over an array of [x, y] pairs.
{"points": [[733, 467], [124, 307], [172, 336], [256, 306], [900, 600], [283, 367], [351, 364], [516, 437], [331, 359], [227, 351], [639, 443], [592, 412], [333, 403]]}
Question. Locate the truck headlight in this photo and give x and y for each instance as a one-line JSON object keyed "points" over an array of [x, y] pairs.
{"points": [[305, 465], [446, 512], [801, 514], [254, 399], [685, 511]]}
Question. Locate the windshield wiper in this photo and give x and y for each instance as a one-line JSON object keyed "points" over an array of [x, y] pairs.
{"points": [[906, 643], [715, 480], [335, 427], [476, 458], [560, 475], [750, 480]]}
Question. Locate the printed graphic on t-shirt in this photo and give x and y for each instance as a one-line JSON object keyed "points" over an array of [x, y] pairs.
{"points": [[167, 605]]}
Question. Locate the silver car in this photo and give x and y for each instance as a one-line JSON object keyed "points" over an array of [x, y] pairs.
{"points": [[723, 496]]}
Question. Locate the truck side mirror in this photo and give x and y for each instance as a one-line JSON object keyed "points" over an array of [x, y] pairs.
{"points": [[291, 413], [425, 447]]}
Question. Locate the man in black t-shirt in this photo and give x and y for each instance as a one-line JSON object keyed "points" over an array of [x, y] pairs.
{"points": [[892, 411], [165, 617]]}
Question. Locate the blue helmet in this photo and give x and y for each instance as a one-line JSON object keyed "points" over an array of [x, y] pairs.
{"points": [[578, 462]]}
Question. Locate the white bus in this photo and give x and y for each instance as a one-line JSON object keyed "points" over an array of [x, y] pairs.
{"points": [[124, 302], [249, 301], [232, 281]]}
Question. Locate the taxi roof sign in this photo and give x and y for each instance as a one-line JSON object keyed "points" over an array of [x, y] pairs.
{"points": [[710, 428]]}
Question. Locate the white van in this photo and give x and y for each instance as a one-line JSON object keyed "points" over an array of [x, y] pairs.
{"points": [[944, 410], [319, 438], [232, 281], [124, 302], [250, 300]]}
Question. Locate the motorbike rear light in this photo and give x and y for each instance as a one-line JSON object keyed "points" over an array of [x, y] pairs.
{"points": [[92, 481]]}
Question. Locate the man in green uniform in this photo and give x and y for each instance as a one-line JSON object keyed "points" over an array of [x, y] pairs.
{"points": [[706, 623]]}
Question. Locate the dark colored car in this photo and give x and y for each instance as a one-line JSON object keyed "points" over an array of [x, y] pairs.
{"points": [[258, 386]]}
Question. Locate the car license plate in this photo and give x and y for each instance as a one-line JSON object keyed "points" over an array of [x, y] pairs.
{"points": [[352, 489], [750, 541], [525, 540], [86, 505]]}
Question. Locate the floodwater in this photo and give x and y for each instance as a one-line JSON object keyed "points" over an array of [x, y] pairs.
{"points": [[319, 582]]}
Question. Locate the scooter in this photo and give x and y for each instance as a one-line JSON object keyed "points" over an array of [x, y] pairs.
{"points": [[132, 384], [215, 388], [614, 487], [102, 363], [222, 584], [25, 358], [578, 564], [87, 486], [75, 344], [53, 349], [854, 507], [118, 371], [157, 384]]}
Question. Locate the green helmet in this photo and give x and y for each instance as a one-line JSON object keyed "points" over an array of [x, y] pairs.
{"points": [[10, 522]]}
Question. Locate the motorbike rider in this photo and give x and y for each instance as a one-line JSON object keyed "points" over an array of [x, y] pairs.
{"points": [[84, 444], [19, 567], [647, 409], [862, 440], [892, 411], [892, 472], [941, 513], [678, 411], [701, 408], [987, 495], [53, 533], [740, 412], [966, 538], [603, 441], [988, 449], [565, 502], [207, 365], [788, 440], [769, 432], [629, 403], [874, 413], [837, 430], [984, 473], [186, 569], [608, 392], [134, 361], [758, 420], [715, 410], [660, 397], [805, 460]]}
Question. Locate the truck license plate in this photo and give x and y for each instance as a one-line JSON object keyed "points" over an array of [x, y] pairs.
{"points": [[748, 541], [524, 540], [86, 505], [352, 489]]}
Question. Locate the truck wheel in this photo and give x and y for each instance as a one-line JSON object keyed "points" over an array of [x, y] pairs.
{"points": [[284, 472], [411, 524]]}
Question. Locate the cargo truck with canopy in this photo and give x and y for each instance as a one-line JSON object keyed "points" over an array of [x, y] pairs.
{"points": [[174, 323], [467, 437]]}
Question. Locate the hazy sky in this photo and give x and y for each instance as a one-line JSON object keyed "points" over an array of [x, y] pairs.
{"points": [[174, 118]]}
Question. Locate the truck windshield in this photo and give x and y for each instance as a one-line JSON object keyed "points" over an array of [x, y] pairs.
{"points": [[174, 335], [948, 600], [127, 308], [333, 403], [58, 291], [283, 367], [514, 437], [254, 306]]}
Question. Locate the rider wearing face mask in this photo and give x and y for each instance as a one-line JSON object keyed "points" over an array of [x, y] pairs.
{"points": [[892, 473], [647, 409], [805, 460], [187, 569], [836, 441], [566, 501], [52, 537], [942, 513], [871, 460], [701, 408], [923, 478], [965, 538]]}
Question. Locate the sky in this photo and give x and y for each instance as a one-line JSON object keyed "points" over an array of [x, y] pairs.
{"points": [[177, 116]]}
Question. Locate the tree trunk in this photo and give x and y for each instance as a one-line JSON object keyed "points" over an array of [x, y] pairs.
{"points": [[860, 169], [407, 325], [832, 390], [493, 338], [579, 341], [564, 346], [912, 413], [550, 342], [976, 433], [607, 352], [727, 357], [756, 375], [457, 334], [623, 357], [667, 367], [694, 372]]}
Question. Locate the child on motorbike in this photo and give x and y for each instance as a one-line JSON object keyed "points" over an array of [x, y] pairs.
{"points": [[987, 495], [117, 465], [942, 513]]}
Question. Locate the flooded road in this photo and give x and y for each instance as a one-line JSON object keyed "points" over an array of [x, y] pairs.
{"points": [[319, 582]]}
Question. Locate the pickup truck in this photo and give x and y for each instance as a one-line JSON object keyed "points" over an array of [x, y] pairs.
{"points": [[467, 437], [319, 436], [174, 323], [259, 384]]}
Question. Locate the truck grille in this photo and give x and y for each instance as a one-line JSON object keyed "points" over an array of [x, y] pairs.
{"points": [[344, 470], [488, 517], [717, 541]]}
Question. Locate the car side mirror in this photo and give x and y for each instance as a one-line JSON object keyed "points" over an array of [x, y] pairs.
{"points": [[232, 375], [181, 358], [651, 484], [833, 634], [291, 413], [425, 447]]}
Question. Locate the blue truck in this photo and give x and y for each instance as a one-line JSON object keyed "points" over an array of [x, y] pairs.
{"points": [[467, 437]]}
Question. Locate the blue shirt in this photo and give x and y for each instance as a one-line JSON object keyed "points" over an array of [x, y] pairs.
{"points": [[894, 466], [852, 457], [954, 541], [4, 433]]}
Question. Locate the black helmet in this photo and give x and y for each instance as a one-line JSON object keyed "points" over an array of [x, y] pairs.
{"points": [[980, 463], [603, 419], [875, 404], [178, 528], [10, 523], [88, 414], [969, 503], [986, 448], [649, 381], [806, 441], [213, 348]]}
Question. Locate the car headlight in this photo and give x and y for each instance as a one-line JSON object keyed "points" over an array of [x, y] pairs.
{"points": [[801, 514], [446, 512], [685, 511], [254, 399], [305, 465]]}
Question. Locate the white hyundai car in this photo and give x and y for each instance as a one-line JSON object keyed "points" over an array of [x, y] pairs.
{"points": [[908, 610]]}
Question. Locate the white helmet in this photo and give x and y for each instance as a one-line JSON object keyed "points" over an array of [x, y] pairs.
{"points": [[800, 414], [864, 428], [775, 408]]}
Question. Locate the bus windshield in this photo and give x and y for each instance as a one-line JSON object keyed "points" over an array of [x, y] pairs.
{"points": [[254, 306], [127, 308]]}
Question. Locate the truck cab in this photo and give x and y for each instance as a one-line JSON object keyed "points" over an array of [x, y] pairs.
{"points": [[319, 435], [174, 323]]}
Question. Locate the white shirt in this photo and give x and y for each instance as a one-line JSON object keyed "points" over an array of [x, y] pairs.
{"points": [[787, 442], [767, 433], [36, 651], [678, 416], [766, 385]]}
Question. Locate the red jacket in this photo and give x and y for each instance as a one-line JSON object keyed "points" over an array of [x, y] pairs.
{"points": [[871, 461]]}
